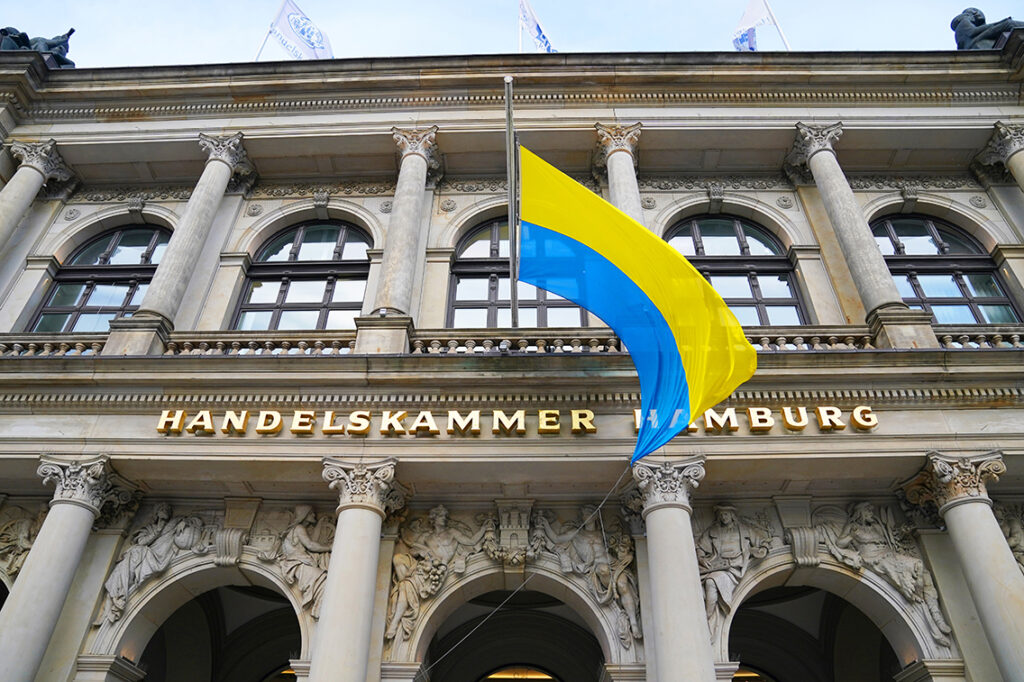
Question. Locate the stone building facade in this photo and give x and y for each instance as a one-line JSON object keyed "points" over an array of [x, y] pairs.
{"points": [[263, 415]]}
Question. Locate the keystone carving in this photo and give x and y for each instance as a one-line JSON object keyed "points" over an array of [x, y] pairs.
{"points": [[615, 138], [669, 483], [228, 149], [1006, 141], [90, 483], [945, 481], [18, 530], [371, 486], [43, 157]]}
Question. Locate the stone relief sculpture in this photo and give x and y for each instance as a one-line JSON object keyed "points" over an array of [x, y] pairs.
{"points": [[972, 33], [427, 551], [1011, 522], [150, 552], [18, 530], [866, 538], [303, 554], [724, 551]]}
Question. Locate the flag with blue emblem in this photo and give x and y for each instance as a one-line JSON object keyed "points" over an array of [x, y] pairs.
{"points": [[298, 35], [529, 21], [689, 350], [757, 14]]}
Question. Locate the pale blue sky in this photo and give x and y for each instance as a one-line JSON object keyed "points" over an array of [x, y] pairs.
{"points": [[147, 32]]}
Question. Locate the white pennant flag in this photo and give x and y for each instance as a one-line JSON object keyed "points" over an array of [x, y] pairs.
{"points": [[298, 35], [528, 20], [757, 14]]}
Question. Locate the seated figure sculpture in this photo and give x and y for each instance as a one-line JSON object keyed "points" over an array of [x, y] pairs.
{"points": [[13, 39], [972, 33]]}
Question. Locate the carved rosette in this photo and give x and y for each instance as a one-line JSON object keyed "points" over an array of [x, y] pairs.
{"points": [[947, 481], [90, 483], [668, 484], [43, 157], [1006, 141], [419, 142], [811, 139], [366, 486], [614, 138], [229, 150]]}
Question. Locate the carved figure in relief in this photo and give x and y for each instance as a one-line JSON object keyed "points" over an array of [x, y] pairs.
{"points": [[151, 550], [864, 538], [581, 548], [1011, 522], [16, 538], [724, 551], [303, 560], [426, 553]]}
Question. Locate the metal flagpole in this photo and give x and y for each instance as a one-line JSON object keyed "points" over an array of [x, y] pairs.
{"points": [[778, 27], [512, 173], [519, 27], [265, 39]]}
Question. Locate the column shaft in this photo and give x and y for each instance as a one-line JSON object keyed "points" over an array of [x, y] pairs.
{"points": [[401, 245], [623, 186], [1015, 164], [16, 197]]}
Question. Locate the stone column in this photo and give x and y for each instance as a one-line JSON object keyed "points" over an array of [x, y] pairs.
{"points": [[1002, 148], [895, 325], [146, 331], [616, 153], [680, 634], [957, 487], [377, 333], [366, 492], [30, 613], [40, 163]]}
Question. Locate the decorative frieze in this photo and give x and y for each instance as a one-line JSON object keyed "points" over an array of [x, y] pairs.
{"points": [[913, 182], [124, 194], [949, 480], [350, 189], [301, 549], [704, 182]]}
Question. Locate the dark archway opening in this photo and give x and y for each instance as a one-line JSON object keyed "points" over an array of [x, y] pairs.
{"points": [[229, 634], [532, 637], [802, 634], [3, 594]]}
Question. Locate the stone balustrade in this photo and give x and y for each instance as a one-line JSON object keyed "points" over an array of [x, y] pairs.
{"points": [[788, 339], [979, 337], [244, 343], [51, 345], [497, 341]]}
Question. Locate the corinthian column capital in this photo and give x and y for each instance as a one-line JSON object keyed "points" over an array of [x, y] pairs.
{"points": [[419, 142], [811, 139], [1006, 141], [366, 486], [229, 150], [90, 483], [947, 481], [668, 484], [616, 138], [43, 157]]}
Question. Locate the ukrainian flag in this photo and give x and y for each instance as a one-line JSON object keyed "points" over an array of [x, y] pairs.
{"points": [[689, 351]]}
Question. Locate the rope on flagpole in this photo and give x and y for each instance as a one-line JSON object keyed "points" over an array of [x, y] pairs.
{"points": [[512, 179]]}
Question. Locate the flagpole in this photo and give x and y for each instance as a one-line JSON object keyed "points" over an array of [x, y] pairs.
{"points": [[512, 174], [265, 39], [778, 27]]}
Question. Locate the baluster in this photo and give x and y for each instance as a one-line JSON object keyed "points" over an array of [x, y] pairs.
{"points": [[79, 349], [613, 345], [318, 348], [982, 341], [865, 343], [1015, 341], [542, 346], [470, 345], [236, 348], [947, 341], [593, 345], [833, 343], [558, 346], [435, 346], [780, 343], [488, 346], [18, 348], [204, 348], [816, 343], [47, 349], [851, 342], [63, 350], [417, 347], [218, 348], [96, 347], [522, 345], [577, 345], [965, 340], [453, 346]]}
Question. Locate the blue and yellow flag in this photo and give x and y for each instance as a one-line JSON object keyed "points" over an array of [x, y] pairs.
{"points": [[689, 351]]}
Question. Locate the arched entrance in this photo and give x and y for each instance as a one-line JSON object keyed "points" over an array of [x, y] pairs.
{"points": [[227, 634], [533, 636], [805, 634]]}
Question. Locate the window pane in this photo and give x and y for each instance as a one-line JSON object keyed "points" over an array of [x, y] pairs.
{"points": [[280, 248], [91, 254], [982, 284], [132, 245], [254, 319], [564, 317], [503, 241], [884, 243], [140, 293], [731, 286], [93, 322], [504, 318], [51, 322], [904, 286], [305, 291], [342, 319], [472, 289], [298, 319], [527, 317], [683, 243], [719, 237], [470, 317], [355, 248], [774, 286], [264, 292], [158, 250], [504, 291], [552, 296], [956, 243], [745, 314], [107, 295], [479, 246], [318, 243], [939, 286], [760, 244], [953, 314], [67, 294], [527, 292], [783, 315], [998, 314], [915, 236], [349, 290]]}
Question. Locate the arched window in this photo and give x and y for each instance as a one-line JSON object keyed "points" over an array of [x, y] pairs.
{"points": [[312, 276], [104, 279], [479, 295], [941, 269], [745, 264]]}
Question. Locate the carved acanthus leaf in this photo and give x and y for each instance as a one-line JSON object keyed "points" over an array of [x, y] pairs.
{"points": [[90, 483], [669, 483], [615, 138], [44, 157], [366, 485], [229, 149], [420, 142], [1006, 141], [811, 139], [946, 480]]}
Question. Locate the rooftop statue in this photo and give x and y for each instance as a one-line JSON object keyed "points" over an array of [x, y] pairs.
{"points": [[972, 33], [13, 39]]}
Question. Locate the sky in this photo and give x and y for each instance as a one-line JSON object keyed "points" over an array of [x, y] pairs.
{"points": [[149, 32]]}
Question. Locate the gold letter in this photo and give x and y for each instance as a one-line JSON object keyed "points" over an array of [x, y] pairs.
{"points": [[269, 421], [329, 426], [715, 422], [392, 420], [548, 421], [470, 423], [828, 418], [170, 421], [583, 421], [792, 423], [760, 418], [203, 421], [302, 421], [863, 417], [424, 421], [235, 421], [514, 424], [359, 423]]}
